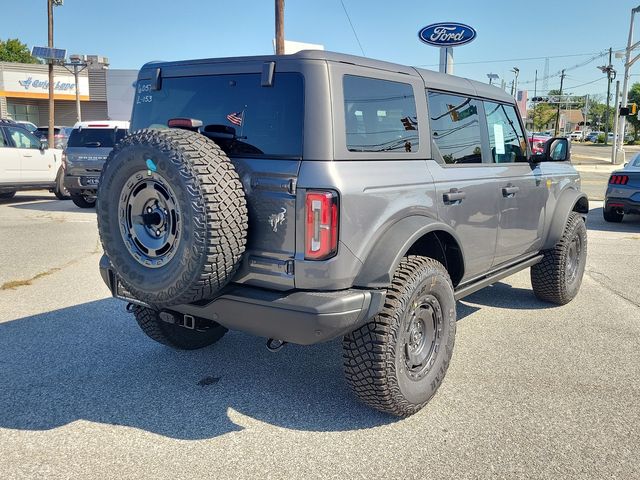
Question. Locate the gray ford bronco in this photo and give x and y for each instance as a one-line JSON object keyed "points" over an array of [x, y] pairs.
{"points": [[319, 195]]}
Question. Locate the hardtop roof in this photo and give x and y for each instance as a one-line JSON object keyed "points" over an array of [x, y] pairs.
{"points": [[431, 78]]}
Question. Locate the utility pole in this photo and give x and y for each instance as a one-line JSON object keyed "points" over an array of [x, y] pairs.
{"points": [[555, 133], [535, 95], [279, 27], [611, 74], [51, 91]]}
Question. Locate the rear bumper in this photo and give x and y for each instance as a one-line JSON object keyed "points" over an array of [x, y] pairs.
{"points": [[626, 205], [301, 317], [82, 183]]}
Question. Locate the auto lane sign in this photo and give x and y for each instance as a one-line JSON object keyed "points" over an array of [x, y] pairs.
{"points": [[447, 34]]}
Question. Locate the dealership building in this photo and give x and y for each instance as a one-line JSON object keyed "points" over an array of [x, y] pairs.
{"points": [[104, 93]]}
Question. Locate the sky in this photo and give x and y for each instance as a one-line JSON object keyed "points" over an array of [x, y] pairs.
{"points": [[510, 33]]}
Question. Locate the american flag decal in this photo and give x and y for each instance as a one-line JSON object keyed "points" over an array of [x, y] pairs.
{"points": [[236, 118]]}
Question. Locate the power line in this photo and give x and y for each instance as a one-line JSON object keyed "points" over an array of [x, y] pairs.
{"points": [[353, 28], [517, 59]]}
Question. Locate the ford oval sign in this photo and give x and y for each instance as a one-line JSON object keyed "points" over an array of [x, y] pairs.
{"points": [[447, 34]]}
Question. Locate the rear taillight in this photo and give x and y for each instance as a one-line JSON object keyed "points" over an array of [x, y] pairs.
{"points": [[321, 226], [64, 160], [618, 179]]}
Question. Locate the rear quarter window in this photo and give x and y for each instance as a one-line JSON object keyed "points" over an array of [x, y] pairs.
{"points": [[380, 115]]}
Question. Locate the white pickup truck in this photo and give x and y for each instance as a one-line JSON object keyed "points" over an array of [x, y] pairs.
{"points": [[26, 163]]}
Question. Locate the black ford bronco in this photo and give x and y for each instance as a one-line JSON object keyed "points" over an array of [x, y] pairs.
{"points": [[319, 195]]}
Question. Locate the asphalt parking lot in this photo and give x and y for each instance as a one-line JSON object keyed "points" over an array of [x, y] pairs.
{"points": [[534, 390]]}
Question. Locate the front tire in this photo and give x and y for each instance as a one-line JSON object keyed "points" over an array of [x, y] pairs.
{"points": [[557, 278], [396, 362], [83, 201], [204, 334]]}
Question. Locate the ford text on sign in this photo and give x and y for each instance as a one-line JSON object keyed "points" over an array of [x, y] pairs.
{"points": [[447, 34]]}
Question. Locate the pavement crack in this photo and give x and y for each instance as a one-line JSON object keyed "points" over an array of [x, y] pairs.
{"points": [[598, 278], [15, 284]]}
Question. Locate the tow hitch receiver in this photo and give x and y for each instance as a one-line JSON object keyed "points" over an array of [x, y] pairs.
{"points": [[186, 321]]}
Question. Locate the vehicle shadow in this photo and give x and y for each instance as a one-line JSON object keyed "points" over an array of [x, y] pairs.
{"points": [[22, 197], [92, 362], [501, 295], [595, 221], [50, 205]]}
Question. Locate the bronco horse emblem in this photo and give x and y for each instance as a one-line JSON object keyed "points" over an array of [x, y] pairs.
{"points": [[276, 219]]}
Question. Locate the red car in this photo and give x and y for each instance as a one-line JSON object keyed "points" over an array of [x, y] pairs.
{"points": [[537, 143]]}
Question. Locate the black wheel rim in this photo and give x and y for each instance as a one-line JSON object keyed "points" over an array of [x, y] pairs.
{"points": [[573, 258], [423, 335], [149, 219]]}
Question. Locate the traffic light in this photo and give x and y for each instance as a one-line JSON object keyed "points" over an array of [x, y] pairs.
{"points": [[631, 109]]}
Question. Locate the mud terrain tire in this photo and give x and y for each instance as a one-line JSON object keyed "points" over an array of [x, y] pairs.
{"points": [[172, 216]]}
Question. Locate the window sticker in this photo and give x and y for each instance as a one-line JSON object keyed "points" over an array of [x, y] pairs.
{"points": [[498, 135]]}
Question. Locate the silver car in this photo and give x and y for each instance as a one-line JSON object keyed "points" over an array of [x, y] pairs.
{"points": [[623, 192]]}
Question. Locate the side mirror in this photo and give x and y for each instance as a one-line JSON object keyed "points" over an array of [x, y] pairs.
{"points": [[43, 145], [555, 150]]}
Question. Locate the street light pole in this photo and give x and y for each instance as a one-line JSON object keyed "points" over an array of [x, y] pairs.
{"points": [[51, 90], [618, 147], [78, 64]]}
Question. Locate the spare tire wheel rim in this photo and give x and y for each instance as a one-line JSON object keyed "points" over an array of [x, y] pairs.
{"points": [[149, 218]]}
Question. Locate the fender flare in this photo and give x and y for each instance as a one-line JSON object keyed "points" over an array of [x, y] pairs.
{"points": [[564, 206], [382, 260]]}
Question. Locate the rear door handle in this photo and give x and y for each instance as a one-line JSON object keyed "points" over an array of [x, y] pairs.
{"points": [[510, 191], [453, 196]]}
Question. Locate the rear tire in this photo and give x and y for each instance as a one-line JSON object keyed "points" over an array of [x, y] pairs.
{"points": [[206, 332], [557, 278], [60, 191], [396, 362], [83, 201], [7, 195], [612, 216]]}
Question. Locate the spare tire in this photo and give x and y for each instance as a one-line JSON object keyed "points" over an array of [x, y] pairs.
{"points": [[172, 216]]}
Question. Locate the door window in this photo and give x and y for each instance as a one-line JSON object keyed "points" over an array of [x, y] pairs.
{"points": [[455, 128], [3, 142], [506, 138], [380, 115], [22, 138]]}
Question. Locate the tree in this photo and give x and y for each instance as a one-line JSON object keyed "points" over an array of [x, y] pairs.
{"points": [[634, 97], [13, 50], [541, 115]]}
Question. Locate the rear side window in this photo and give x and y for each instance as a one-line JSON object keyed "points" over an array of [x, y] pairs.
{"points": [[96, 137], [380, 115], [236, 111], [455, 127], [506, 138]]}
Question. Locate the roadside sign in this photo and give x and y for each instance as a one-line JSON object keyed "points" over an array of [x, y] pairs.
{"points": [[447, 34]]}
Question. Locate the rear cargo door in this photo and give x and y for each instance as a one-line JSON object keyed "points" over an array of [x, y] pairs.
{"points": [[88, 148], [257, 120]]}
